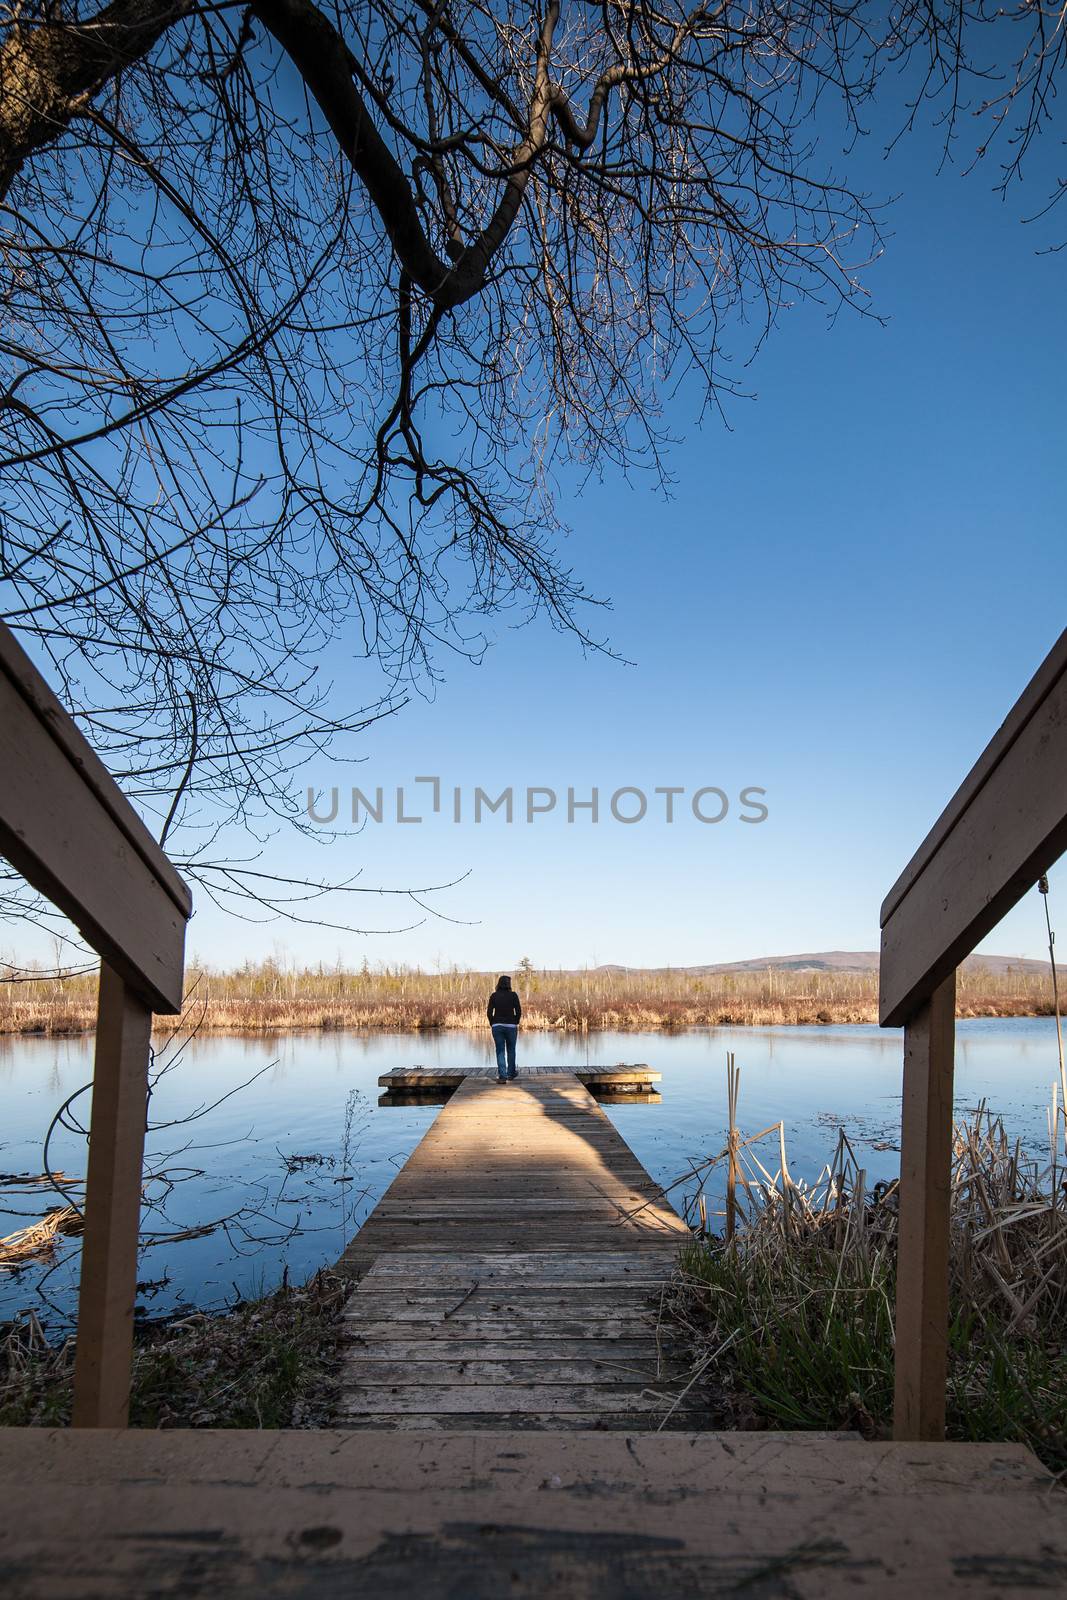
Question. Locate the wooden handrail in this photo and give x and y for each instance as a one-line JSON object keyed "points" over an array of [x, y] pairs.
{"points": [[1004, 826], [68, 828]]}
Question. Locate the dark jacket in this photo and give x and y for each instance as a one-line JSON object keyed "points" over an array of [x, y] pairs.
{"points": [[503, 1006]]}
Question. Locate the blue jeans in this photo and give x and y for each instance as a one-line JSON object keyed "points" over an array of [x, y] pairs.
{"points": [[504, 1036]]}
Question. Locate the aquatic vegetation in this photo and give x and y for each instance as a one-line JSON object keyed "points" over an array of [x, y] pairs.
{"points": [[793, 1317]]}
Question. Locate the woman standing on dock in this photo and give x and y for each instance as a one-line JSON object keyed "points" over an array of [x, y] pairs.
{"points": [[504, 1011]]}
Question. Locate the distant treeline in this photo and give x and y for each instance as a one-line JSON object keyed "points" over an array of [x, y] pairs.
{"points": [[272, 998]]}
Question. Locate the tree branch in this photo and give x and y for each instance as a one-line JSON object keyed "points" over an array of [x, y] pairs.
{"points": [[50, 71]]}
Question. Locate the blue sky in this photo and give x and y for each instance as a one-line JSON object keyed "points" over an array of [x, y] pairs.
{"points": [[846, 592]]}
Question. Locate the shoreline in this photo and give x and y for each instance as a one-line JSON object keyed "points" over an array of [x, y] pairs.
{"points": [[271, 999], [246, 1026]]}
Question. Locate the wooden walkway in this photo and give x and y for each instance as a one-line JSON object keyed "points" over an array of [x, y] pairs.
{"points": [[510, 1275]]}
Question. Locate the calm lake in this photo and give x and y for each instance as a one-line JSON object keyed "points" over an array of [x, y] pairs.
{"points": [[292, 1160]]}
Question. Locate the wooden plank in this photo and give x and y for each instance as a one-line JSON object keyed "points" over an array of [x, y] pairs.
{"points": [[587, 1205], [537, 1302], [503, 1400], [646, 1423], [527, 1299], [506, 1156], [509, 1269], [545, 1370], [518, 1292], [447, 1181], [576, 1514], [427, 1352], [459, 1284], [479, 1230], [68, 829], [499, 1193], [634, 1071], [357, 1261], [588, 1284], [627, 1205], [112, 1207], [503, 1184], [442, 1081], [486, 1235], [1006, 824], [574, 1263], [922, 1251], [416, 1322]]}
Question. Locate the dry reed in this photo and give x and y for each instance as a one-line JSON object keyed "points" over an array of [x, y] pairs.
{"points": [[270, 997], [17, 1248], [793, 1317]]}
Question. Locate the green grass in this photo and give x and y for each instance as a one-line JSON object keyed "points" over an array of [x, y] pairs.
{"points": [[808, 1335]]}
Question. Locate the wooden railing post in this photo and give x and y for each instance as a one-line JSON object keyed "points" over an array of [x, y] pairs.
{"points": [[922, 1258], [112, 1207]]}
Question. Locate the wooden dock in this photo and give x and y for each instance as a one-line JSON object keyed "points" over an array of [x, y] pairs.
{"points": [[633, 1082], [509, 1277]]}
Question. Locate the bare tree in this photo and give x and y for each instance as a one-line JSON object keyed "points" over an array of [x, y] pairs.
{"points": [[304, 309]]}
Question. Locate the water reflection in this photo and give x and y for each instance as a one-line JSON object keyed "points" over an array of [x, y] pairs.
{"points": [[813, 1078]]}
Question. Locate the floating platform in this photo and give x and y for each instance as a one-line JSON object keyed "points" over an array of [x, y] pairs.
{"points": [[434, 1085]]}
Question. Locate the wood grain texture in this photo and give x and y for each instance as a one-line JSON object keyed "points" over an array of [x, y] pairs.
{"points": [[511, 1274], [449, 1512], [925, 1193], [68, 829], [112, 1207], [66, 826]]}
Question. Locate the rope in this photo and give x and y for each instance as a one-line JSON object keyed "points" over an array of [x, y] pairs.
{"points": [[1042, 884]]}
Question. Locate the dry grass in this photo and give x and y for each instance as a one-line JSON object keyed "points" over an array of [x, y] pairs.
{"points": [[39, 1238], [267, 1363], [794, 1318], [270, 998]]}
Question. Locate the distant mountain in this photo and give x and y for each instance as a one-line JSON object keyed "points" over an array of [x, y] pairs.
{"points": [[829, 961]]}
